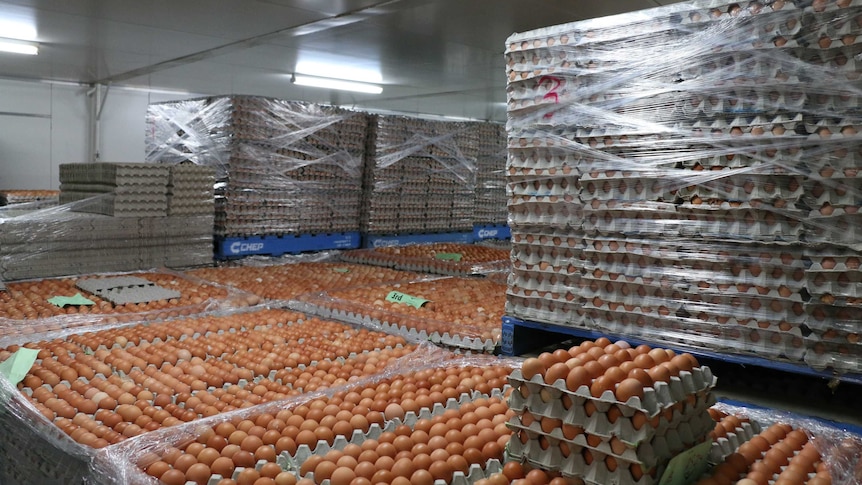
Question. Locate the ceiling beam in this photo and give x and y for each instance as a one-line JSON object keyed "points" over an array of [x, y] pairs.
{"points": [[346, 18]]}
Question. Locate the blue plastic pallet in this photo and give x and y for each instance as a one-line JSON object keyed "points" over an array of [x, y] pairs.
{"points": [[379, 241], [491, 231], [521, 336], [237, 247]]}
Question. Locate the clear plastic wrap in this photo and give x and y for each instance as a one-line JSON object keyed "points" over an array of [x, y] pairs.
{"points": [[419, 177], [61, 241], [491, 175], [125, 463], [440, 258], [839, 449], [96, 386], [678, 173], [26, 311], [458, 312], [284, 282], [284, 167]]}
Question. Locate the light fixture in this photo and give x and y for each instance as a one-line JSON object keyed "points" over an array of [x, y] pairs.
{"points": [[19, 47], [331, 83]]}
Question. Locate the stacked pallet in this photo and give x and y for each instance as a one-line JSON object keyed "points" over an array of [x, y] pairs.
{"points": [[683, 175], [115, 189], [284, 167], [419, 177], [491, 175]]}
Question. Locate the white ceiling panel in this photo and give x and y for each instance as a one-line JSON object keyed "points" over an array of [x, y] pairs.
{"points": [[437, 56]]}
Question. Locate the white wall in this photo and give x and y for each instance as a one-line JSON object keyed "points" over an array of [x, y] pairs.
{"points": [[43, 125]]}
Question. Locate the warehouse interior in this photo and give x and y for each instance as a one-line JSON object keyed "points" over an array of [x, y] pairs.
{"points": [[350, 242]]}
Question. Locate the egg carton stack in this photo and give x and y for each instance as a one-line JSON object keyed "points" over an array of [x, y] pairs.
{"points": [[283, 167], [607, 430], [491, 175], [547, 237], [699, 189], [115, 189], [190, 190], [419, 177]]}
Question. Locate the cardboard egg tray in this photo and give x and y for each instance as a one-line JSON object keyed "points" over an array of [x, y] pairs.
{"points": [[724, 446], [542, 310], [620, 186], [656, 399], [648, 453], [744, 187], [552, 281], [114, 174], [542, 256], [639, 221], [418, 259], [839, 228], [840, 357]]}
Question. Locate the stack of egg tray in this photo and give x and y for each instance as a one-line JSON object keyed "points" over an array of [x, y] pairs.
{"points": [[491, 175], [419, 177], [602, 440], [683, 172], [59, 242], [190, 190], [115, 189], [283, 167]]}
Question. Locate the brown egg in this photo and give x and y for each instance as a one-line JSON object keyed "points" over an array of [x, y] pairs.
{"points": [[198, 473], [223, 466], [532, 367]]}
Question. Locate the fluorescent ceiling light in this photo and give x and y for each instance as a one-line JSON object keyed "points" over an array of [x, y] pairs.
{"points": [[18, 47], [144, 89], [340, 84]]}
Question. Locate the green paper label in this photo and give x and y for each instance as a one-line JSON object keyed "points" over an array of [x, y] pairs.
{"points": [[687, 466], [448, 256], [341, 270], [62, 301], [18, 365], [398, 297]]}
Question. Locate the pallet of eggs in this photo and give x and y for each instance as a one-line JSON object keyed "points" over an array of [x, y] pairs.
{"points": [[419, 177], [373, 429], [441, 258], [65, 304], [491, 175], [283, 167], [107, 384], [457, 312], [608, 413], [285, 282], [694, 160]]}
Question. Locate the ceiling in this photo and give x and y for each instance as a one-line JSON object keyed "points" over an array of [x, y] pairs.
{"points": [[442, 57]]}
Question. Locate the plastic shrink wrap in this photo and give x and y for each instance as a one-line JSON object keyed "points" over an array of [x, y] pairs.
{"points": [[691, 174], [491, 175], [419, 177], [110, 383], [284, 167]]}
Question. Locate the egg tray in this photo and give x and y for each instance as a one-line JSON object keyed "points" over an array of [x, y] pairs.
{"points": [[453, 340], [544, 270], [840, 228], [648, 452], [544, 256], [598, 424], [843, 285], [540, 310], [122, 290], [656, 399], [116, 174], [640, 186], [841, 358], [724, 446], [523, 282], [745, 187], [610, 224], [825, 317], [573, 465], [698, 222]]}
